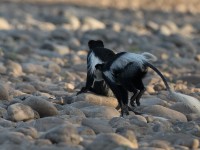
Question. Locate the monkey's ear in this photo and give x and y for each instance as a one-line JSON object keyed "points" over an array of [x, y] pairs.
{"points": [[94, 44], [99, 66]]}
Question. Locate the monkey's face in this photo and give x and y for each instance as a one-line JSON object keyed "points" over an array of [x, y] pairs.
{"points": [[98, 75]]}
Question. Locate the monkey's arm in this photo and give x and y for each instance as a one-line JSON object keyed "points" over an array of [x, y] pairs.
{"points": [[89, 83]]}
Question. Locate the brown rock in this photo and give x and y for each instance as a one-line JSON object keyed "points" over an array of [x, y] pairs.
{"points": [[157, 110]]}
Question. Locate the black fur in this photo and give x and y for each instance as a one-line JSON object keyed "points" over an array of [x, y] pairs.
{"points": [[104, 54], [126, 78]]}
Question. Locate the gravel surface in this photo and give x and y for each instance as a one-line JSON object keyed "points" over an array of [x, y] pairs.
{"points": [[43, 51]]}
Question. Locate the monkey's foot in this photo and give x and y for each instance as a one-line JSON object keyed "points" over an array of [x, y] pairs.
{"points": [[124, 110], [83, 90]]}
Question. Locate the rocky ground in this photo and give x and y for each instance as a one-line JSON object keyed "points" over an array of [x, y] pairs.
{"points": [[43, 50]]}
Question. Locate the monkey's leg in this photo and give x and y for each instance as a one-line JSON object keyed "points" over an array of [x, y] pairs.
{"points": [[139, 96], [142, 90], [133, 98], [120, 93]]}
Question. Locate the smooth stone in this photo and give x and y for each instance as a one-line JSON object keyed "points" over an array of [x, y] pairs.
{"points": [[14, 68], [13, 137], [42, 106], [84, 130], [4, 95], [97, 100], [128, 134], [118, 122], [81, 104], [33, 68], [25, 88], [152, 101], [4, 25], [47, 123], [192, 103], [157, 110], [108, 141], [6, 123], [100, 111], [90, 23], [98, 125], [28, 131], [182, 107], [72, 111], [20, 112], [63, 134], [138, 120], [179, 139], [160, 144]]}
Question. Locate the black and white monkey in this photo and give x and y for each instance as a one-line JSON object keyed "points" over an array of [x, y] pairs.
{"points": [[125, 73], [97, 55]]}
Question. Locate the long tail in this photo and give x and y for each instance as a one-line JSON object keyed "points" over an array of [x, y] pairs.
{"points": [[160, 74]]}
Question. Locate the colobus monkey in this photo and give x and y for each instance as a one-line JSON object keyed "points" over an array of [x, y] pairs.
{"points": [[125, 73], [97, 55]]}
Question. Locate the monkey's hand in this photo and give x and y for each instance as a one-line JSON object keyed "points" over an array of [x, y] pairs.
{"points": [[83, 90]]}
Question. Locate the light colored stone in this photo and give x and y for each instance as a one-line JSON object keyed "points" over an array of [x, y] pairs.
{"points": [[90, 23], [98, 125], [33, 68], [25, 88], [110, 141], [42, 106], [28, 131], [13, 137], [47, 123], [157, 110], [4, 25], [152, 101], [14, 68], [72, 111], [100, 111], [179, 139], [97, 100], [20, 112], [63, 133], [129, 134]]}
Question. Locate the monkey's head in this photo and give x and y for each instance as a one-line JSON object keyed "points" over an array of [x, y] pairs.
{"points": [[94, 44], [98, 72]]}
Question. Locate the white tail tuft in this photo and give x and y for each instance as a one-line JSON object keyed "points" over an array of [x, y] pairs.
{"points": [[149, 56]]}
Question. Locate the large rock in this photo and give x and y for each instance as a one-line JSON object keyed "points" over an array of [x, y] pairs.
{"points": [[63, 133], [42, 106], [20, 112], [110, 141], [97, 99], [100, 111], [157, 110], [191, 104], [98, 125]]}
